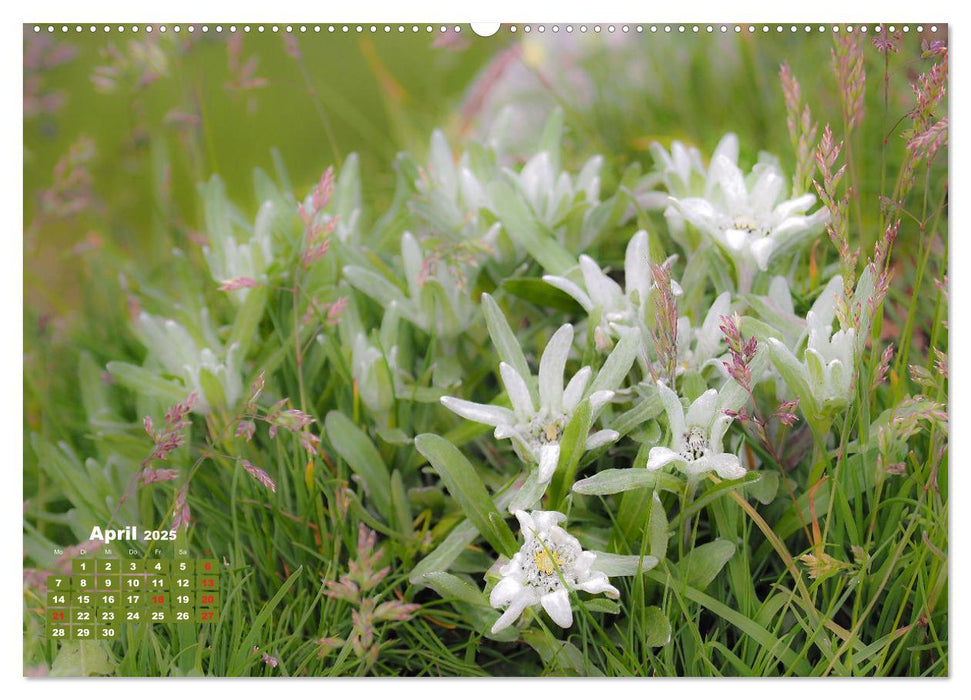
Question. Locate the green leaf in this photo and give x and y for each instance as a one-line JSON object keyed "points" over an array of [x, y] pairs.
{"points": [[715, 490], [83, 657], [356, 448], [522, 226], [212, 388], [248, 319], [505, 340], [572, 447], [658, 626], [604, 605], [93, 393], [765, 488], [611, 481], [617, 365], [552, 134], [446, 553], [560, 656], [467, 489], [146, 383], [702, 564], [657, 528], [795, 375], [452, 587], [375, 286], [541, 293], [528, 496], [401, 506], [771, 644], [623, 564]]}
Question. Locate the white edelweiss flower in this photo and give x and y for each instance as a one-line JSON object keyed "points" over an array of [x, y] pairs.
{"points": [[454, 194], [699, 347], [683, 174], [551, 192], [550, 564], [233, 250], [536, 431], [827, 366], [619, 308], [696, 437], [749, 217]]}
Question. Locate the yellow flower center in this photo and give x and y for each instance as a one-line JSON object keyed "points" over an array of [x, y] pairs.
{"points": [[547, 561]]}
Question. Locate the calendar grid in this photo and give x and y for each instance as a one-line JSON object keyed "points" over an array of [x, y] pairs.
{"points": [[98, 596]]}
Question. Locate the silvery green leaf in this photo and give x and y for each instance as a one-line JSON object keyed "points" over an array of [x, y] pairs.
{"points": [[604, 605], [147, 382], [356, 448], [623, 564], [610, 481], [375, 286], [529, 494], [505, 340], [657, 528], [658, 626], [441, 558], [466, 487], [702, 564], [522, 225], [617, 365], [765, 488]]}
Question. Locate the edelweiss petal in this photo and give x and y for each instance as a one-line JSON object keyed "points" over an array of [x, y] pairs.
{"points": [[478, 412]]}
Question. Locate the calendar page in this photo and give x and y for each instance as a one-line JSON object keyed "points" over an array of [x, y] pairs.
{"points": [[601, 349]]}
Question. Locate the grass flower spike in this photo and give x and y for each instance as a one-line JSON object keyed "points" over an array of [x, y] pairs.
{"points": [[536, 430], [549, 565], [696, 437]]}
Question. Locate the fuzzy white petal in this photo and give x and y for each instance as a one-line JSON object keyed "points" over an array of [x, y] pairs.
{"points": [[659, 456], [726, 466], [478, 412], [702, 411], [603, 291], [557, 604], [515, 609], [637, 269], [504, 592], [571, 288], [794, 206], [736, 239], [551, 367], [517, 390], [674, 409], [574, 390], [598, 583], [601, 438], [549, 457], [599, 398], [762, 250], [727, 148]]}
